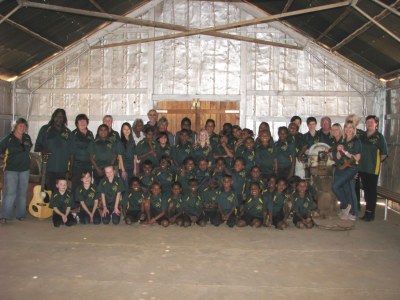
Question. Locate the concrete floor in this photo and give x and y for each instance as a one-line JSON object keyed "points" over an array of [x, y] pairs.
{"points": [[38, 261]]}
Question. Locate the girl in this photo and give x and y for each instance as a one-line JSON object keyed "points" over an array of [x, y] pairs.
{"points": [[126, 151]]}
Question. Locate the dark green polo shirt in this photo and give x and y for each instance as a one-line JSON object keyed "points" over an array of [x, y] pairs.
{"points": [[227, 200], [202, 178], [303, 205], [16, 152], [254, 207], [192, 205], [143, 147], [180, 152], [80, 147], [165, 177], [249, 156], [199, 153], [285, 154], [133, 200], [265, 157], [163, 151], [209, 197], [239, 181], [311, 140], [158, 204], [127, 151], [372, 149], [325, 138], [274, 202], [62, 202], [103, 151], [110, 189], [88, 196], [58, 143]]}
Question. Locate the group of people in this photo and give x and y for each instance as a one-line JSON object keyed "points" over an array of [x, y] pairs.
{"points": [[146, 174]]}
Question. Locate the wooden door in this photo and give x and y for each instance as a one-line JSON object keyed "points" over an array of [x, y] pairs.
{"points": [[198, 111]]}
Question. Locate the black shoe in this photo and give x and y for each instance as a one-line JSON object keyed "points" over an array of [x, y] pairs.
{"points": [[368, 217], [20, 218]]}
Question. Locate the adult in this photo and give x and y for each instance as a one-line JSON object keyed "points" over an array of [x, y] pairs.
{"points": [[54, 141], [374, 152], [347, 154], [324, 134], [137, 128], [81, 138], [202, 148], [113, 135], [212, 136], [15, 148], [163, 129], [126, 152], [153, 121]]}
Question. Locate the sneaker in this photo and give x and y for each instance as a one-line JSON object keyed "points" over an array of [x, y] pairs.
{"points": [[341, 212], [351, 217], [344, 217], [347, 210]]}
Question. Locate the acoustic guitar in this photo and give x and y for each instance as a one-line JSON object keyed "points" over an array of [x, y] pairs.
{"points": [[39, 205]]}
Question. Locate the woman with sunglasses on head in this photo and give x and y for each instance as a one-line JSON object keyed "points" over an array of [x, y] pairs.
{"points": [[374, 152]]}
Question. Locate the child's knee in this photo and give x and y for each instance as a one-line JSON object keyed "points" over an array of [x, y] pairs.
{"points": [[186, 223], [201, 223], [300, 225], [128, 221], [256, 223], [164, 223], [241, 223]]}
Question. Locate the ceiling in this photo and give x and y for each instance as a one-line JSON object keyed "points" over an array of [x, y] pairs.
{"points": [[366, 32]]}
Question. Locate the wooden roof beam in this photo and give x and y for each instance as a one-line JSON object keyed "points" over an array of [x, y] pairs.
{"points": [[337, 21], [4, 18], [95, 4], [287, 6], [389, 8]]}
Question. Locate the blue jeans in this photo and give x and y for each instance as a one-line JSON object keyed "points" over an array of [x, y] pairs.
{"points": [[344, 188], [14, 194]]}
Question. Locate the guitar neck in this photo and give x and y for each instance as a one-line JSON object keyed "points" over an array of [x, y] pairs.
{"points": [[43, 179]]}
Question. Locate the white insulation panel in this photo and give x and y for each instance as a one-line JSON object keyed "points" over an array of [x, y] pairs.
{"points": [[273, 83]]}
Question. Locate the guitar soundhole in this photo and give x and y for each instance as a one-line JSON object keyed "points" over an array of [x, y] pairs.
{"points": [[46, 198], [34, 208]]}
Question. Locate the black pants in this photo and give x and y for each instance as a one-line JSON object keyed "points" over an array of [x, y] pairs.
{"points": [[370, 183], [231, 220], [212, 217], [133, 215], [57, 220], [111, 216], [249, 218], [85, 219]]}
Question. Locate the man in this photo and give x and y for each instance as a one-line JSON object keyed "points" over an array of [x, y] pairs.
{"points": [[152, 123]]}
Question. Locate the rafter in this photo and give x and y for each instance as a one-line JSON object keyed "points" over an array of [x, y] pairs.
{"points": [[389, 8], [337, 21], [95, 4], [4, 18], [287, 6]]}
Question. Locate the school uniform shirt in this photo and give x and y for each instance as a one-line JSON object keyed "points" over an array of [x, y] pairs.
{"points": [[165, 177], [209, 197], [127, 151], [239, 181], [285, 154], [372, 149], [103, 150], [203, 178], [184, 180], [110, 189], [310, 139], [274, 202], [199, 153], [180, 152], [353, 147], [62, 202], [191, 140], [133, 200], [58, 143], [303, 205], [249, 156], [158, 204], [298, 141], [214, 140], [265, 157], [80, 148], [219, 150], [192, 205], [254, 206], [16, 152], [88, 196], [114, 137], [325, 138], [177, 204], [251, 180], [163, 151], [144, 147], [227, 200], [146, 180]]}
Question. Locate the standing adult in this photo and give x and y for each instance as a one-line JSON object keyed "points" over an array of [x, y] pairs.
{"points": [[374, 152], [54, 141], [113, 135], [163, 129], [15, 148], [137, 128], [126, 152], [81, 138], [324, 134], [153, 121]]}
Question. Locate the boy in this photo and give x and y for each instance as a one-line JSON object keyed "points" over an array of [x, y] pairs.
{"points": [[265, 156], [303, 204], [202, 174], [210, 205], [192, 205], [285, 153], [239, 179], [175, 204], [227, 203], [111, 189], [276, 206], [133, 210], [186, 173], [156, 206], [164, 175], [252, 210], [255, 176], [86, 195], [182, 148], [146, 177], [61, 202]]}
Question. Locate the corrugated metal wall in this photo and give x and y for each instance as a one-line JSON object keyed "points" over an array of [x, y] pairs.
{"points": [[271, 83], [5, 107]]}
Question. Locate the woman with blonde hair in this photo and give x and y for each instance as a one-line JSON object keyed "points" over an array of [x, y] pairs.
{"points": [[202, 148]]}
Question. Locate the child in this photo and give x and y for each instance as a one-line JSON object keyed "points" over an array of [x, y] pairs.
{"points": [[186, 173], [146, 177], [275, 205], [239, 179], [249, 154], [223, 150], [175, 204], [265, 156], [192, 205], [303, 204], [255, 176], [86, 194], [227, 203], [219, 171], [182, 148], [285, 153], [61, 202], [156, 206], [164, 175], [146, 149], [111, 189], [133, 209], [163, 148], [202, 174], [271, 186], [210, 205], [252, 210]]}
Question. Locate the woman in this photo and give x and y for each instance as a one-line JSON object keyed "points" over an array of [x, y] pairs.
{"points": [[137, 128], [102, 153], [212, 136], [126, 151], [374, 152], [54, 141], [15, 148], [81, 138], [202, 149], [347, 154]]}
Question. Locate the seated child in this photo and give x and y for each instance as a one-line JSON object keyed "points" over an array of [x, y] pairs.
{"points": [[202, 174], [175, 204], [186, 173], [88, 198], [61, 202], [271, 185], [274, 204], [303, 204], [156, 206], [253, 209], [192, 205], [110, 189], [133, 209], [210, 205], [164, 175], [255, 176], [219, 170], [227, 203], [146, 177]]}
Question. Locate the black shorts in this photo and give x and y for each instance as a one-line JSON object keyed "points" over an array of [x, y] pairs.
{"points": [[249, 218], [164, 217], [296, 218], [278, 217], [133, 215]]}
